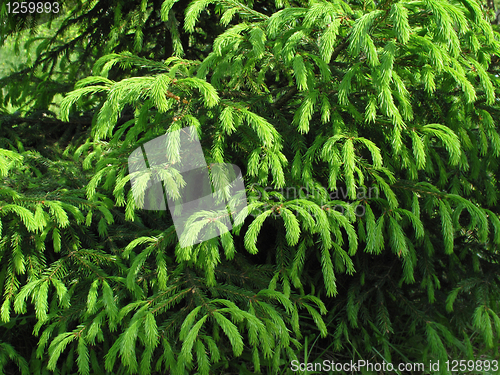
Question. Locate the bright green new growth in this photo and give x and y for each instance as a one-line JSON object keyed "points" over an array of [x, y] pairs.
{"points": [[367, 137]]}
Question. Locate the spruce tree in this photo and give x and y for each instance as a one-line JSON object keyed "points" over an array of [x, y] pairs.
{"points": [[366, 133]]}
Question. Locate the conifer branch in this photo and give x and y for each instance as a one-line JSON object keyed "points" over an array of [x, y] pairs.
{"points": [[340, 47], [78, 252], [285, 98], [293, 90]]}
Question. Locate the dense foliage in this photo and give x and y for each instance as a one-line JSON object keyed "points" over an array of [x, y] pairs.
{"points": [[366, 132]]}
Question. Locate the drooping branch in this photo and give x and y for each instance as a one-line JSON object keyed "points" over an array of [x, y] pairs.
{"points": [[293, 90]]}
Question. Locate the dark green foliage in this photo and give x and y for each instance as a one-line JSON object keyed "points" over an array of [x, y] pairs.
{"points": [[367, 136]]}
